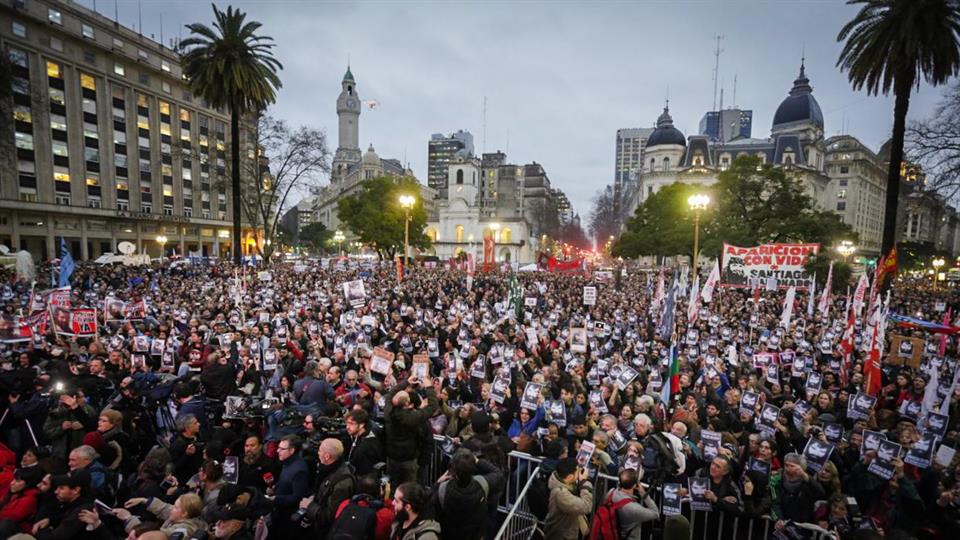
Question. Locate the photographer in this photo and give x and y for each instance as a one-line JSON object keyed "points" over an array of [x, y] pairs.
{"points": [[335, 484], [571, 502], [640, 509], [405, 427], [68, 423], [464, 493]]}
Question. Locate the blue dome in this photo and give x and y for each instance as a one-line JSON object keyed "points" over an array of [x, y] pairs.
{"points": [[800, 105], [665, 132]]}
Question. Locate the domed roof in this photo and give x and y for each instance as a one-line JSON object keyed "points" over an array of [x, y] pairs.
{"points": [[370, 157], [665, 132], [800, 105]]}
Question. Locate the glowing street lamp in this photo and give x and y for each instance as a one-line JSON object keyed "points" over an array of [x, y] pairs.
{"points": [[339, 237], [406, 202], [846, 249], [937, 264], [162, 240], [698, 203]]}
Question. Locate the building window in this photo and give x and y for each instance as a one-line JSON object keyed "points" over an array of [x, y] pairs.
{"points": [[60, 149], [118, 69], [843, 182], [117, 43], [87, 31], [841, 206], [165, 86], [460, 177], [459, 233], [144, 78], [19, 30], [54, 70], [165, 66], [666, 164], [54, 16], [506, 235], [89, 57], [88, 82]]}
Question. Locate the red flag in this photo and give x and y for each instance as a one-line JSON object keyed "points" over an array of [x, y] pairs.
{"points": [[887, 266], [846, 344], [872, 367], [943, 338], [489, 248]]}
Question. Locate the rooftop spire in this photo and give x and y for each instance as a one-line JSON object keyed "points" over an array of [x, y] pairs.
{"points": [[801, 85]]}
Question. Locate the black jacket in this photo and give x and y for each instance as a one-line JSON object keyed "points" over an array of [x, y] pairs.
{"points": [[404, 427], [799, 505], [219, 381], [65, 524], [365, 451]]}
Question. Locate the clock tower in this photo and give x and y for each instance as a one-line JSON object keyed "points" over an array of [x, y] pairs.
{"points": [[348, 112]]}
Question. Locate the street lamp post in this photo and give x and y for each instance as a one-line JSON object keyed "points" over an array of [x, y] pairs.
{"points": [[937, 264], [406, 202], [162, 240], [846, 249], [698, 203], [339, 237]]}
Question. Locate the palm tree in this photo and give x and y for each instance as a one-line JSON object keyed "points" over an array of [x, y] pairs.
{"points": [[893, 45], [231, 66]]}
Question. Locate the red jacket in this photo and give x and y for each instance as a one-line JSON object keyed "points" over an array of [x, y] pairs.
{"points": [[384, 517], [20, 508], [351, 396]]}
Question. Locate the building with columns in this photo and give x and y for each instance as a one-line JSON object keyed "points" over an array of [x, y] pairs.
{"points": [[795, 143], [107, 144], [460, 223]]}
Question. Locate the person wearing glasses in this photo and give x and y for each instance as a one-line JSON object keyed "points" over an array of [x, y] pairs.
{"points": [[291, 487]]}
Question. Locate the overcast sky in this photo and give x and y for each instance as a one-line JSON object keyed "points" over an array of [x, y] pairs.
{"points": [[560, 77]]}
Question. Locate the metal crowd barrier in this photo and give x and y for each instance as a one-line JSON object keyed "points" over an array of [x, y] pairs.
{"points": [[518, 523]]}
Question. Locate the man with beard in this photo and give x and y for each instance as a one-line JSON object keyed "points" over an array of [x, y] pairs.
{"points": [[256, 464], [409, 505], [72, 492], [365, 449]]}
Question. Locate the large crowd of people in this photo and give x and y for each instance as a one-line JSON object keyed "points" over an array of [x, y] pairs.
{"points": [[309, 399]]}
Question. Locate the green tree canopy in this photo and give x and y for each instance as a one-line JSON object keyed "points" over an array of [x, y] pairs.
{"points": [[315, 236], [751, 203], [375, 216]]}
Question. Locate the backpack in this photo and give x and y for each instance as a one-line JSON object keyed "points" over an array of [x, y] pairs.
{"points": [[484, 486], [538, 495], [605, 525], [668, 462], [356, 522]]}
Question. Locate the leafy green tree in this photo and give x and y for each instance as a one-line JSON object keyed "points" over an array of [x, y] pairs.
{"points": [[820, 266], [375, 216], [231, 66], [893, 45], [663, 225], [315, 236], [751, 203], [917, 255]]}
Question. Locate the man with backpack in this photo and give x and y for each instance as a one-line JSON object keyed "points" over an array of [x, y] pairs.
{"points": [[368, 515], [624, 509], [662, 456], [571, 502], [463, 495], [335, 484]]}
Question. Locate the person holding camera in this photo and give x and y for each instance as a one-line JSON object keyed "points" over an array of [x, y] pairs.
{"points": [[464, 493], [335, 484], [571, 502], [406, 425], [640, 509], [68, 423]]}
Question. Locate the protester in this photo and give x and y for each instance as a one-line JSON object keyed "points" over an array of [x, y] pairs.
{"points": [[571, 501]]}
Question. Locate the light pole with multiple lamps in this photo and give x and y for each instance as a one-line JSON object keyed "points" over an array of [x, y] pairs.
{"points": [[937, 264], [162, 240], [846, 249], [698, 203], [339, 237], [406, 202]]}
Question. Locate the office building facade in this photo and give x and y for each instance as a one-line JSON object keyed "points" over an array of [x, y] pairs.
{"points": [[108, 144], [441, 151], [727, 125]]}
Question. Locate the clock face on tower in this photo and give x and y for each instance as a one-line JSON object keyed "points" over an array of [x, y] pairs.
{"points": [[351, 103]]}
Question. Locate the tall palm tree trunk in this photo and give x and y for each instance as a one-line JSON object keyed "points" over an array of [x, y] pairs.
{"points": [[901, 104], [235, 179]]}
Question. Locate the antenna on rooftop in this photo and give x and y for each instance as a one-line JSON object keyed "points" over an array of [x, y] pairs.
{"points": [[716, 69], [734, 90]]}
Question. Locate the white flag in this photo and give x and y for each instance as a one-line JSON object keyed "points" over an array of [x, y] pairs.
{"points": [[930, 393], [858, 295], [788, 307], [812, 294], [711, 283], [945, 405], [825, 297], [693, 309]]}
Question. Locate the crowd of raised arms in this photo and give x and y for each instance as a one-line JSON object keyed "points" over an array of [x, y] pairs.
{"points": [[207, 402]]}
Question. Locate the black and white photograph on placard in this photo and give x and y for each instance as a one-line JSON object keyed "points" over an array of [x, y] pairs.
{"points": [[585, 454], [935, 423], [671, 500], [768, 417], [355, 293], [871, 441], [578, 340], [271, 358], [557, 413], [860, 405], [760, 466], [626, 376], [833, 431], [817, 453], [921, 453], [748, 402], [698, 488], [882, 465], [499, 389], [235, 407], [711, 443], [531, 396], [231, 469]]}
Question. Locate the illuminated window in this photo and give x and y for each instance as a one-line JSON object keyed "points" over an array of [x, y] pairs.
{"points": [[506, 235], [88, 82], [143, 122], [21, 113], [432, 234], [54, 16], [93, 179], [87, 31], [165, 66], [57, 96], [459, 233], [164, 108], [54, 70], [60, 174], [118, 69], [24, 140], [167, 191], [58, 122], [164, 128], [60, 149]]}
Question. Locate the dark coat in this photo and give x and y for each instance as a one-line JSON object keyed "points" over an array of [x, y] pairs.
{"points": [[404, 427], [292, 485]]}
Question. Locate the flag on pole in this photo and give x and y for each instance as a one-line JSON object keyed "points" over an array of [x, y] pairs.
{"points": [[930, 393], [872, 368], [945, 404], [666, 320], [672, 380], [859, 293], [812, 294], [788, 307], [693, 309], [515, 298], [887, 266], [658, 295], [942, 349], [66, 264], [846, 345], [825, 297], [711, 283]]}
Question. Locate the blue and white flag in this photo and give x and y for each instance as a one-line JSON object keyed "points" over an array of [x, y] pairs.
{"points": [[66, 264]]}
